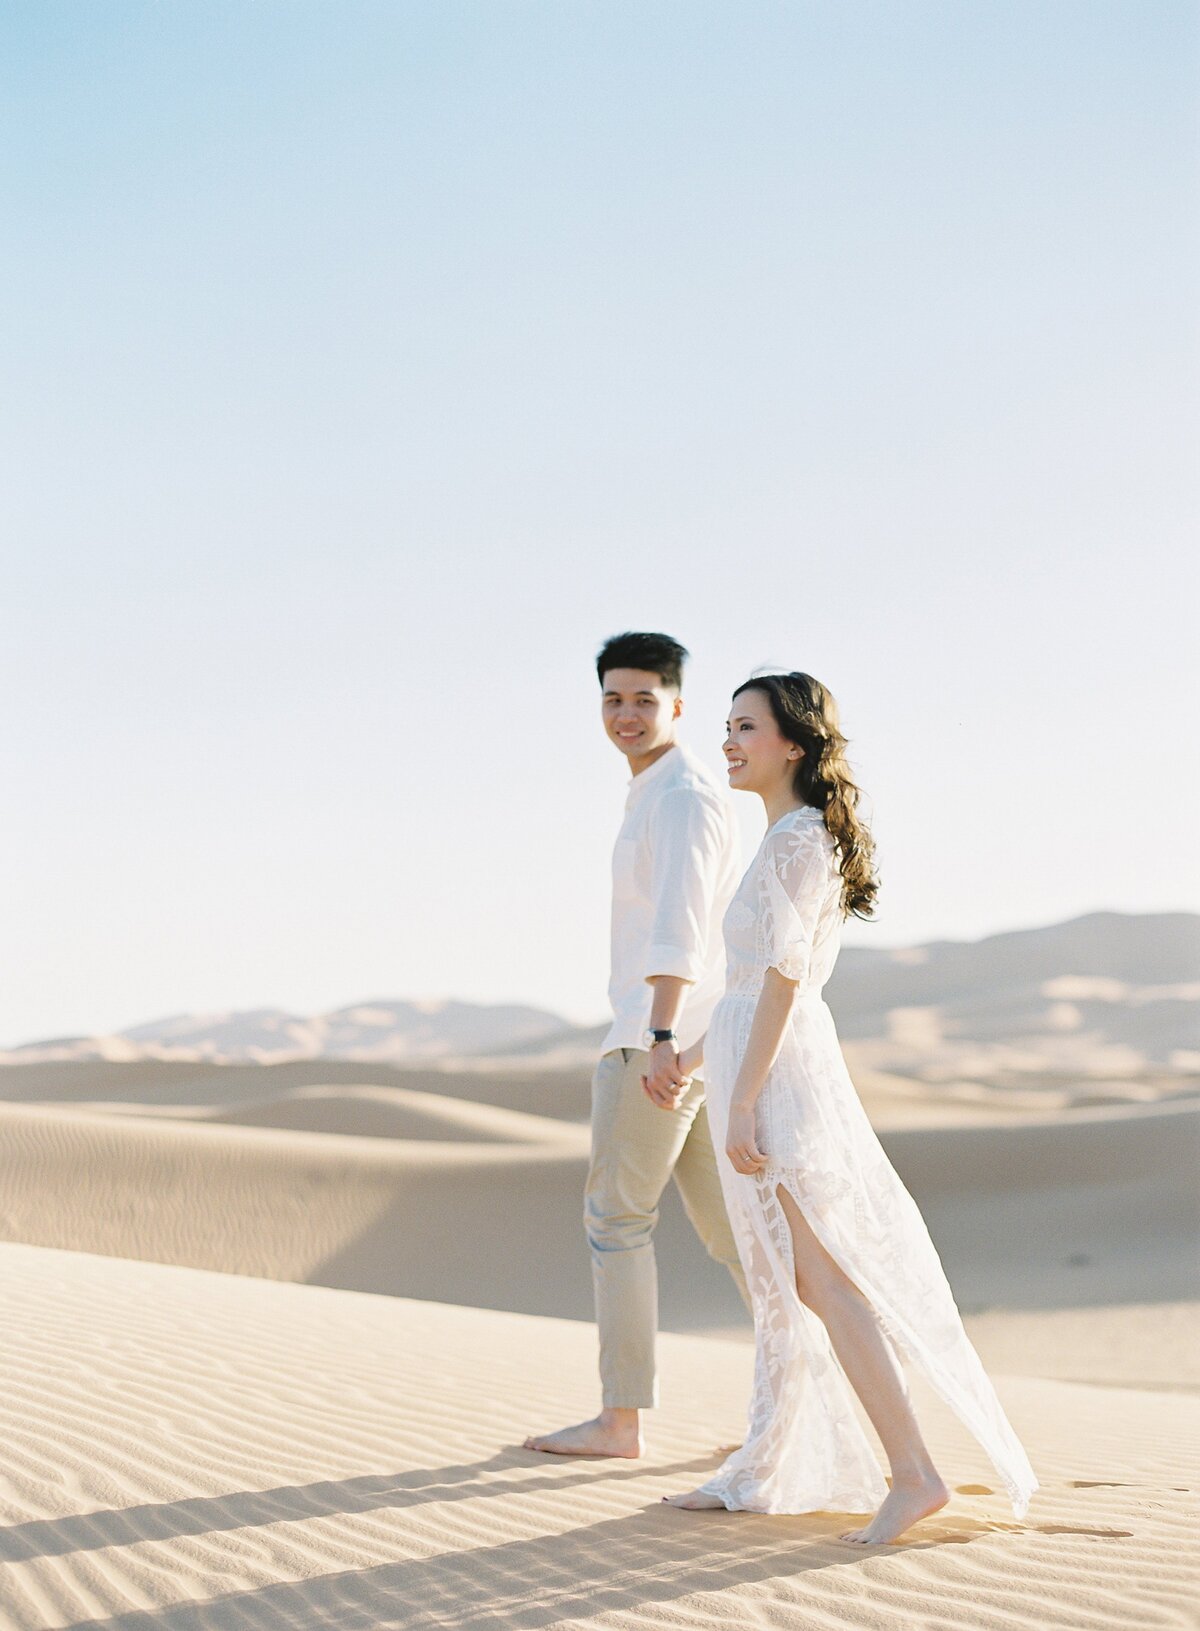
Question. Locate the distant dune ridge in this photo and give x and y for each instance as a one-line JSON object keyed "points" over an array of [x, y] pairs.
{"points": [[208, 1425], [1110, 998], [380, 1031]]}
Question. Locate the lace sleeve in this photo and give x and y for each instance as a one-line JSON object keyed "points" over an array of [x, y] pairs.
{"points": [[794, 873]]}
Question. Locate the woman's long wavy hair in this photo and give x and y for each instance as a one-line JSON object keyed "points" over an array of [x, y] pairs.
{"points": [[807, 715]]}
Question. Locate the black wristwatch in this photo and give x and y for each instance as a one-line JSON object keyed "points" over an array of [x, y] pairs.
{"points": [[652, 1038]]}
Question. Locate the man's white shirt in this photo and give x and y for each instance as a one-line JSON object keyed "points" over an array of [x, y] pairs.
{"points": [[675, 868]]}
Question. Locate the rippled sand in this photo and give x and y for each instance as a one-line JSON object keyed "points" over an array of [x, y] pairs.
{"points": [[193, 1438]]}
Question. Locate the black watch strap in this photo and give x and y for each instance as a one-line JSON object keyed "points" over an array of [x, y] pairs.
{"points": [[664, 1036]]}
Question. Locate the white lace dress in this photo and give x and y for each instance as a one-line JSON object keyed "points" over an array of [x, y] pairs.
{"points": [[804, 1449]]}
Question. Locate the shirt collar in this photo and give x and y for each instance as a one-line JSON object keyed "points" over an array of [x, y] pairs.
{"points": [[639, 783]]}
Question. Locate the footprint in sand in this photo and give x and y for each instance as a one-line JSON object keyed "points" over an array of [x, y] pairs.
{"points": [[973, 1489], [1070, 1529], [1096, 1483]]}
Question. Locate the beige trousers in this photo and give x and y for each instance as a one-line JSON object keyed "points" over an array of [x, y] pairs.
{"points": [[636, 1147]]}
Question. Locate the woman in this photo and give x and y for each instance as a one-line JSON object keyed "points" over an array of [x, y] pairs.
{"points": [[838, 1258]]}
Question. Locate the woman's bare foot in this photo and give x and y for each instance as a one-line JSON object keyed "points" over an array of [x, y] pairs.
{"points": [[612, 1432], [695, 1500], [905, 1504]]}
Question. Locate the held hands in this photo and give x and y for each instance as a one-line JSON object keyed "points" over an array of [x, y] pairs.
{"points": [[667, 1081], [740, 1144]]}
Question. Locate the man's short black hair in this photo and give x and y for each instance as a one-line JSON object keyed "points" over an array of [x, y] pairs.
{"points": [[656, 653]]}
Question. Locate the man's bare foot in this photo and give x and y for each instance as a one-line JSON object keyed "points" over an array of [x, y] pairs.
{"points": [[612, 1432], [905, 1504], [695, 1500]]}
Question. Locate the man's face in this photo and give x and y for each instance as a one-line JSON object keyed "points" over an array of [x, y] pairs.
{"points": [[639, 712]]}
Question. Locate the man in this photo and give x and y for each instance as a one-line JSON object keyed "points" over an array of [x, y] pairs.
{"points": [[674, 869]]}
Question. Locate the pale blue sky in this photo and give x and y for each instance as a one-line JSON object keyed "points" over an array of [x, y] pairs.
{"points": [[365, 365]]}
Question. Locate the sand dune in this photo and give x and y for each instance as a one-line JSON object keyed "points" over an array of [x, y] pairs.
{"points": [[195, 1452], [200, 1087], [207, 1423], [370, 1110], [1104, 1008], [481, 1205], [380, 1030], [376, 1214]]}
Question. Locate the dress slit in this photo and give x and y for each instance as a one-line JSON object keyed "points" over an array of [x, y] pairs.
{"points": [[907, 1349], [887, 1322]]}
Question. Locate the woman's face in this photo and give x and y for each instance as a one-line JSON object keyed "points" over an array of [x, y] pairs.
{"points": [[758, 757]]}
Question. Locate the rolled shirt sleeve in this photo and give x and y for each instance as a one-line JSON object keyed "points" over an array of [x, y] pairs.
{"points": [[687, 844]]}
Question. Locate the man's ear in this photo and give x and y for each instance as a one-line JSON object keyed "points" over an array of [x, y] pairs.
{"points": [[678, 708]]}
